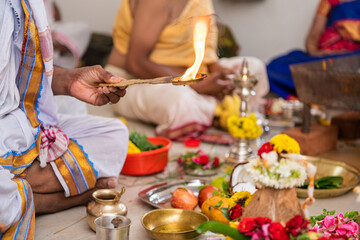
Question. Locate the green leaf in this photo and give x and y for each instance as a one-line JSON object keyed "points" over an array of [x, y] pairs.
{"points": [[221, 228], [225, 212], [201, 187], [314, 219], [303, 237], [353, 214], [219, 204]]}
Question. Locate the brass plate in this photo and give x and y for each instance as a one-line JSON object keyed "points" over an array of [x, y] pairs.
{"points": [[327, 167], [172, 224]]}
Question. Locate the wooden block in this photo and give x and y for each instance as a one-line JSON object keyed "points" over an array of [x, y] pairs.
{"points": [[319, 139], [348, 124]]}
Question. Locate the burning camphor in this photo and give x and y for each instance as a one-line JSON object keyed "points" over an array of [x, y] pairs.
{"points": [[200, 30]]}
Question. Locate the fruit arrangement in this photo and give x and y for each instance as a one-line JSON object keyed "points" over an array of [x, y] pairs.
{"points": [[214, 200], [139, 143]]}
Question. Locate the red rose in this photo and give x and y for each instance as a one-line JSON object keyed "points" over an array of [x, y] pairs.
{"points": [[216, 162], [247, 224], [204, 159], [295, 225], [180, 160], [262, 220], [235, 212], [277, 232], [265, 148]]}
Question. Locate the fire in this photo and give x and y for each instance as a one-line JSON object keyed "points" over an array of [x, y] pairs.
{"points": [[200, 31]]}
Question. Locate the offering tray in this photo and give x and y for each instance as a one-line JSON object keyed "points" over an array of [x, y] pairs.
{"points": [[159, 195], [325, 167], [160, 80]]}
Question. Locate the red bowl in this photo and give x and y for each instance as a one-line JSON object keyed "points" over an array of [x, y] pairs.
{"points": [[148, 162]]}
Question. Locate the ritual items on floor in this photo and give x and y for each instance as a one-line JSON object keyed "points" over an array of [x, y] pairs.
{"points": [[243, 129], [273, 211], [105, 202], [139, 143], [184, 198], [176, 224], [146, 155], [242, 126], [159, 195], [326, 226], [332, 179], [199, 163], [112, 227]]}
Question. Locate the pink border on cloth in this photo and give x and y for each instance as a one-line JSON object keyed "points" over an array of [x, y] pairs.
{"points": [[68, 43], [192, 129]]}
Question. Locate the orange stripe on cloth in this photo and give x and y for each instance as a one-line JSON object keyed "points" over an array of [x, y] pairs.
{"points": [[31, 67], [16, 164], [76, 169], [25, 227]]}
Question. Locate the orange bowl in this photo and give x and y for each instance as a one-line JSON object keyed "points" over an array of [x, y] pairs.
{"points": [[148, 162]]}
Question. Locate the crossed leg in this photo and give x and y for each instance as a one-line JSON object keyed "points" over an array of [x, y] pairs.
{"points": [[48, 193]]}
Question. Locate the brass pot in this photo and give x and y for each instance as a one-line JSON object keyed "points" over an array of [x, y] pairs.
{"points": [[106, 201]]}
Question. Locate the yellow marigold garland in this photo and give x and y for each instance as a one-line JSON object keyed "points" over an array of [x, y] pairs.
{"points": [[284, 143], [244, 127]]}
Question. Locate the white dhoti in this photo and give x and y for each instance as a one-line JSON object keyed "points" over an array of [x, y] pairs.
{"points": [[80, 149]]}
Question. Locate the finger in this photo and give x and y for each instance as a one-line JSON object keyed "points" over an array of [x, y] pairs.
{"points": [[105, 76], [113, 98], [119, 92]]}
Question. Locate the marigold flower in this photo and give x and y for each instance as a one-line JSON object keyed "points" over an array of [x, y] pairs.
{"points": [[283, 143]]}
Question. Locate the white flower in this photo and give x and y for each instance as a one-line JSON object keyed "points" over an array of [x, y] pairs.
{"points": [[280, 175]]}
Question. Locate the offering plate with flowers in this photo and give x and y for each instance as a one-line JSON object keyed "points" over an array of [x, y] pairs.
{"points": [[199, 163]]}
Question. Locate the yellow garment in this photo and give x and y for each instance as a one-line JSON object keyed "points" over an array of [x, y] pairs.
{"points": [[174, 46]]}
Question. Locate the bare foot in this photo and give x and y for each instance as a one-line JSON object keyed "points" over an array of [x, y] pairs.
{"points": [[3, 228], [54, 202], [42, 180]]}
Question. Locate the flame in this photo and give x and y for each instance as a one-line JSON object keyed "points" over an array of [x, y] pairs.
{"points": [[200, 30]]}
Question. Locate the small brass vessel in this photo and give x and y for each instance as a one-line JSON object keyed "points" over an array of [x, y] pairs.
{"points": [[106, 201], [172, 223]]}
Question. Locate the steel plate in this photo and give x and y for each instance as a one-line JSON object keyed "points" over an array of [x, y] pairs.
{"points": [[159, 195]]}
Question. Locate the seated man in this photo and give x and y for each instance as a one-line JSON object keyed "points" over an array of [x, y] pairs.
{"points": [[334, 33], [46, 162], [154, 39]]}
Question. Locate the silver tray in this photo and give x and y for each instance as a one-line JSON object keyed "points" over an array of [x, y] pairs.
{"points": [[159, 195]]}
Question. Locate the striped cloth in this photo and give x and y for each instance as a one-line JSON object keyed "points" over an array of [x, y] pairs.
{"points": [[54, 143]]}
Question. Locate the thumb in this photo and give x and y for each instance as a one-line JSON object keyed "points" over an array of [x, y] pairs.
{"points": [[107, 77]]}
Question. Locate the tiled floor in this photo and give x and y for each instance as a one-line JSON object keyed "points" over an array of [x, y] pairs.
{"points": [[72, 223]]}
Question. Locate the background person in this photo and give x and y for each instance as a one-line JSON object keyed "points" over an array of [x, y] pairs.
{"points": [[335, 32], [153, 39]]}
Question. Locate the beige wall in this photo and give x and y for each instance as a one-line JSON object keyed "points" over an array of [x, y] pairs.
{"points": [[264, 28]]}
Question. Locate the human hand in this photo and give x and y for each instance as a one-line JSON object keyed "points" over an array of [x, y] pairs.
{"points": [[84, 85], [216, 85], [3, 228]]}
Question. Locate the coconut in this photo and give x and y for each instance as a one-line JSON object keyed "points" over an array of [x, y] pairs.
{"points": [[280, 205], [240, 180]]}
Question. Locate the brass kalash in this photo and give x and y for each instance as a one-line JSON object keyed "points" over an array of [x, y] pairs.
{"points": [[244, 83]]}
